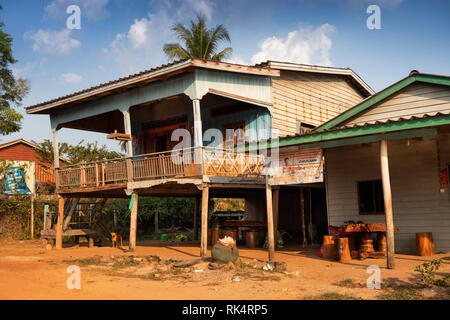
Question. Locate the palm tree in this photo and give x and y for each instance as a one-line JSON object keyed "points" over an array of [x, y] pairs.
{"points": [[198, 41]]}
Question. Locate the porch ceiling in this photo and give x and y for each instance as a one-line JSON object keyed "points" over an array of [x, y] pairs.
{"points": [[104, 123]]}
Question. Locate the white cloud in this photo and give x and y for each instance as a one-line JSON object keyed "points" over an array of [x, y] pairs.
{"points": [[203, 7], [52, 41], [304, 45], [141, 46], [137, 34], [70, 78], [91, 9]]}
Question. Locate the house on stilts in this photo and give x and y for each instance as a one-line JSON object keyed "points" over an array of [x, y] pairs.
{"points": [[176, 120]]}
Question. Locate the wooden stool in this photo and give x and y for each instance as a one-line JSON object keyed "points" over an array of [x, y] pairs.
{"points": [[328, 251], [252, 239], [424, 244], [343, 250]]}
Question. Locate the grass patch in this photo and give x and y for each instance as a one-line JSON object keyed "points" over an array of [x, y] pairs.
{"points": [[346, 283], [170, 261], [400, 292], [86, 261], [153, 258], [334, 296], [125, 262]]}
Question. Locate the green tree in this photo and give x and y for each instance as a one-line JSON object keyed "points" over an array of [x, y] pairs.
{"points": [[198, 42], [75, 153], [12, 90]]}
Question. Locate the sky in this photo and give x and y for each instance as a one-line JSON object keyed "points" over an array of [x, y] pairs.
{"points": [[120, 37]]}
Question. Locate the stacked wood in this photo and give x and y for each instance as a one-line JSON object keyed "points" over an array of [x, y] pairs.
{"points": [[328, 251], [343, 250], [424, 244]]}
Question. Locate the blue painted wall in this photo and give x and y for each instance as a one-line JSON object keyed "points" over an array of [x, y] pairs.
{"points": [[258, 124]]}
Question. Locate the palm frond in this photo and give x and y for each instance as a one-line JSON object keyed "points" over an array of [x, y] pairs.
{"points": [[225, 53], [175, 51]]}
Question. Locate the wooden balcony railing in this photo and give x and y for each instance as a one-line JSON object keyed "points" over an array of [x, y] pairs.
{"points": [[181, 163]]}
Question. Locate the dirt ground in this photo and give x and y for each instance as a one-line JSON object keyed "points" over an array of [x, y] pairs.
{"points": [[28, 271]]}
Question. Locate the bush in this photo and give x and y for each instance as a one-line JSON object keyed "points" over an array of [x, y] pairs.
{"points": [[427, 273], [15, 216]]}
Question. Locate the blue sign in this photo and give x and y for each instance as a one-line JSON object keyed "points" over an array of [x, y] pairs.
{"points": [[15, 181]]}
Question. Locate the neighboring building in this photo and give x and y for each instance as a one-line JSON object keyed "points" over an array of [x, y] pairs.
{"points": [[23, 153], [413, 116]]}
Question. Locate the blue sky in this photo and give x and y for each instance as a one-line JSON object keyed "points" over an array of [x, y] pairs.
{"points": [[119, 37]]}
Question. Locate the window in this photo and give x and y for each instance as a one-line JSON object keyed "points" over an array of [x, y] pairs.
{"points": [[233, 134], [303, 128], [370, 197]]}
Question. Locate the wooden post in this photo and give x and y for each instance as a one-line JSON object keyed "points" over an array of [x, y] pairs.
{"points": [[198, 134], [156, 222], [196, 208], [133, 223], [276, 197], [32, 218], [204, 232], [270, 235], [387, 204], [56, 156], [198, 140], [73, 205], [59, 223], [129, 166], [302, 215], [310, 229], [127, 127], [97, 182]]}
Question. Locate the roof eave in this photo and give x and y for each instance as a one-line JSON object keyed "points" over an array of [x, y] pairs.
{"points": [[196, 63]]}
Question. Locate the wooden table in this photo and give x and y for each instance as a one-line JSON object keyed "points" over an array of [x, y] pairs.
{"points": [[363, 230], [234, 224], [254, 226]]}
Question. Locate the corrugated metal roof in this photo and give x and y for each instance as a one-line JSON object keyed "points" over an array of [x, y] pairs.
{"points": [[105, 84], [169, 67]]}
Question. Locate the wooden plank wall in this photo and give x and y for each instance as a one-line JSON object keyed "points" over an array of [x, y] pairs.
{"points": [[309, 98], [418, 204], [415, 100]]}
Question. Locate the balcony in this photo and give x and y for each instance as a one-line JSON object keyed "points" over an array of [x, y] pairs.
{"points": [[176, 164]]}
